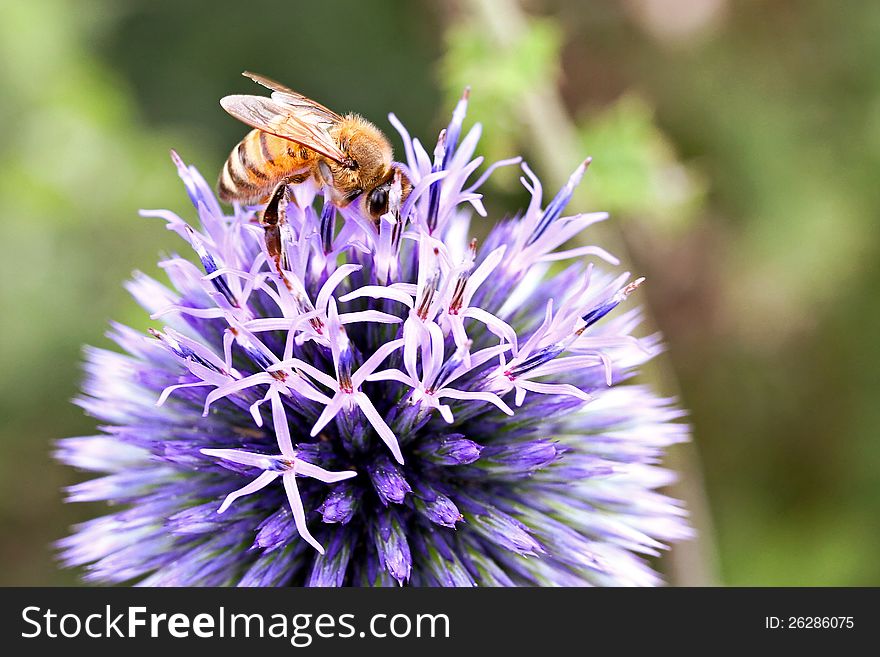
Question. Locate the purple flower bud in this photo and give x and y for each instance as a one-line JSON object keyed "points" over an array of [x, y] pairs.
{"points": [[557, 205], [520, 458], [201, 519], [454, 449], [388, 481], [505, 530], [392, 546], [437, 507], [329, 569], [440, 564], [340, 504], [276, 530], [273, 568]]}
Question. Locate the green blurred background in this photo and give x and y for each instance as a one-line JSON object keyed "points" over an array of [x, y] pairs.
{"points": [[737, 144]]}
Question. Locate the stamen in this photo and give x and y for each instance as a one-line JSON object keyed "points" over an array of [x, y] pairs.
{"points": [[254, 351], [534, 361], [210, 265], [181, 350], [603, 309], [434, 191], [454, 129], [185, 175], [431, 285], [395, 199], [280, 464], [305, 306], [458, 292], [448, 368], [557, 205], [346, 358]]}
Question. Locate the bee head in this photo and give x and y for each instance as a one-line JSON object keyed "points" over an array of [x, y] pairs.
{"points": [[390, 194]]}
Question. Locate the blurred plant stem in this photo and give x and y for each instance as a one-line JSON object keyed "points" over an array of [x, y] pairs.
{"points": [[553, 138]]}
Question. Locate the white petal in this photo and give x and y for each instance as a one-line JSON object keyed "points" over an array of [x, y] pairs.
{"points": [[165, 393], [482, 272], [236, 386], [299, 514], [197, 347], [555, 389], [437, 351], [311, 370], [491, 168], [332, 283], [260, 482], [476, 396], [262, 461], [497, 326], [379, 292], [282, 429], [445, 413], [369, 316], [579, 252], [309, 470], [329, 413], [374, 361], [384, 431], [279, 323], [532, 342], [393, 375]]}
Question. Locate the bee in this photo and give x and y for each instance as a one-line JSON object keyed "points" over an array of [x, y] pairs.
{"points": [[295, 139]]}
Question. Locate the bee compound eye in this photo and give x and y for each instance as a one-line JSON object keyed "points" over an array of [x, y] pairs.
{"points": [[378, 201]]}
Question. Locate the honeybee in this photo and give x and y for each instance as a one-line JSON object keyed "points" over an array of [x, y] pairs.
{"points": [[296, 139]]}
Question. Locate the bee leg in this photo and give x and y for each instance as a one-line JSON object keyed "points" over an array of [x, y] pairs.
{"points": [[272, 220], [325, 176]]}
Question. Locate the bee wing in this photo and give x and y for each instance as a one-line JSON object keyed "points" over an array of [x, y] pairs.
{"points": [[269, 83], [300, 120], [287, 96]]}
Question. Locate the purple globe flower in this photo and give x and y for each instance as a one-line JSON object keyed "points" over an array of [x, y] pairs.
{"points": [[384, 404]]}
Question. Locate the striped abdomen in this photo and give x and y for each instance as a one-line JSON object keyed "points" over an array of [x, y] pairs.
{"points": [[259, 163]]}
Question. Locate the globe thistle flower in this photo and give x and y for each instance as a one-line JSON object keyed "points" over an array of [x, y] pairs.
{"points": [[383, 405]]}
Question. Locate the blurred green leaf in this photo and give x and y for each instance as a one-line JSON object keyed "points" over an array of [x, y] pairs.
{"points": [[498, 79], [635, 171]]}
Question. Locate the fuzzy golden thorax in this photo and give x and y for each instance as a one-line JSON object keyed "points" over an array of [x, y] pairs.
{"points": [[368, 148]]}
